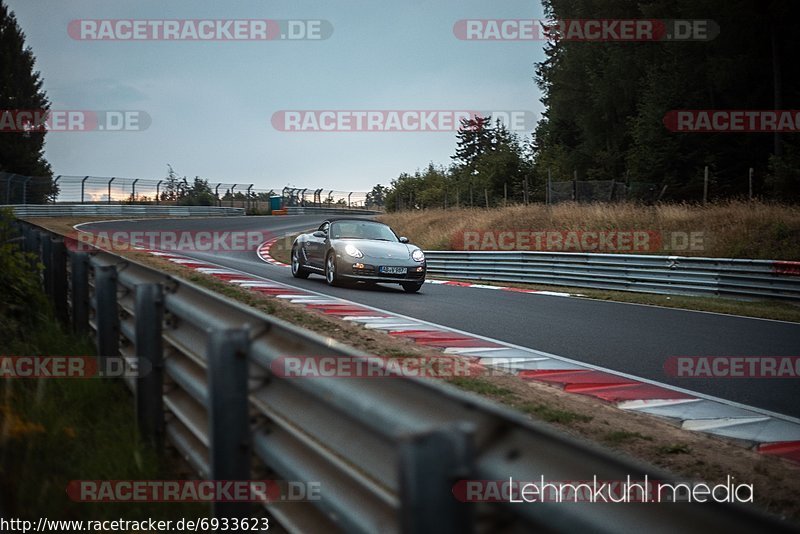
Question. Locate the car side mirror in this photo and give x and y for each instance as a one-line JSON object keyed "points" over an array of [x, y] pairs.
{"points": [[404, 240], [319, 233]]}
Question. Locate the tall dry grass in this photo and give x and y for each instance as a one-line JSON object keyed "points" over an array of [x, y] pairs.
{"points": [[733, 229]]}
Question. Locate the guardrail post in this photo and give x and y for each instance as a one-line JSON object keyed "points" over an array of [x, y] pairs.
{"points": [[58, 262], [149, 312], [106, 311], [229, 424], [46, 255], [430, 465], [79, 267], [34, 245]]}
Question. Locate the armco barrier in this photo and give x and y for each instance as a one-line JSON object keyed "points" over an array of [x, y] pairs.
{"points": [[308, 210], [386, 453], [119, 210], [625, 272]]}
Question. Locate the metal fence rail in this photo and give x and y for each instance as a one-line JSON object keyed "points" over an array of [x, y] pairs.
{"points": [[625, 272], [386, 453], [22, 189], [329, 211], [120, 210]]}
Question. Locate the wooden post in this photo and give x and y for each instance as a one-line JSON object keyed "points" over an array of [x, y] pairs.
{"points": [[486, 196], [750, 184], [705, 185]]}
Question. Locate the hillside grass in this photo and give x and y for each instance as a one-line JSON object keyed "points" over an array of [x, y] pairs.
{"points": [[733, 229]]}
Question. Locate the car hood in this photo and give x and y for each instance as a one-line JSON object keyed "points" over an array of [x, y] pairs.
{"points": [[380, 250]]}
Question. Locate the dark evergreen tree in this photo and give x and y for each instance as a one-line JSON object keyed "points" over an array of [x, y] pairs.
{"points": [[22, 152]]}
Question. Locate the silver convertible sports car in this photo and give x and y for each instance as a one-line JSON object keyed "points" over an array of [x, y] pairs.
{"points": [[358, 250]]}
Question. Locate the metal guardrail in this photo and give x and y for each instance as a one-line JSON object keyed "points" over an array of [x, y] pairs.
{"points": [[308, 210], [386, 452], [120, 210], [625, 272]]}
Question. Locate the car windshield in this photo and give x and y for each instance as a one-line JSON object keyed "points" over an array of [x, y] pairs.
{"points": [[362, 230]]}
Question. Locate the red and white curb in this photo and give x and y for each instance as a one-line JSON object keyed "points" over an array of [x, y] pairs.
{"points": [[264, 255], [767, 432]]}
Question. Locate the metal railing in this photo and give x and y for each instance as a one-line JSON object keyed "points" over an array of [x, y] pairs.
{"points": [[120, 210], [385, 452], [625, 272], [22, 189], [329, 211]]}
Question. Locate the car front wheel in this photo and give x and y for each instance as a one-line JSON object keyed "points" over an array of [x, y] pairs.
{"points": [[297, 270], [331, 276], [412, 287]]}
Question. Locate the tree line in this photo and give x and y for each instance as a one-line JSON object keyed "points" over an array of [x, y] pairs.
{"points": [[606, 105]]}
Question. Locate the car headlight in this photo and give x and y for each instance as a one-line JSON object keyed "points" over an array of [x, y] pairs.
{"points": [[417, 255], [351, 250]]}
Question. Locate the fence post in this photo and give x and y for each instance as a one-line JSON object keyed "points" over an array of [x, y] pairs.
{"points": [[575, 185], [430, 465], [58, 262], [25, 189], [149, 312], [79, 267], [216, 194], [109, 188], [486, 197], [83, 188], [249, 192], [106, 312], [55, 186], [750, 184], [348, 199], [525, 190], [705, 185], [505, 194], [158, 187], [133, 191], [229, 425], [548, 193], [232, 188]]}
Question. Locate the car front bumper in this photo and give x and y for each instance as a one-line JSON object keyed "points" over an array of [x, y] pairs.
{"points": [[359, 270]]}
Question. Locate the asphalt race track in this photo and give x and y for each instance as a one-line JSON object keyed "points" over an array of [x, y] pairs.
{"points": [[629, 338]]}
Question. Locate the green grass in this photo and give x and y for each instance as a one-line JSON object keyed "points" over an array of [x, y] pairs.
{"points": [[553, 415], [676, 448], [55, 430], [621, 436], [481, 387]]}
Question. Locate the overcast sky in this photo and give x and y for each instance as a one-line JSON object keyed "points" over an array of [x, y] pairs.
{"points": [[211, 103]]}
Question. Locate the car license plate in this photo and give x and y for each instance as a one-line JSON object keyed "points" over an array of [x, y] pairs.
{"points": [[393, 270]]}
